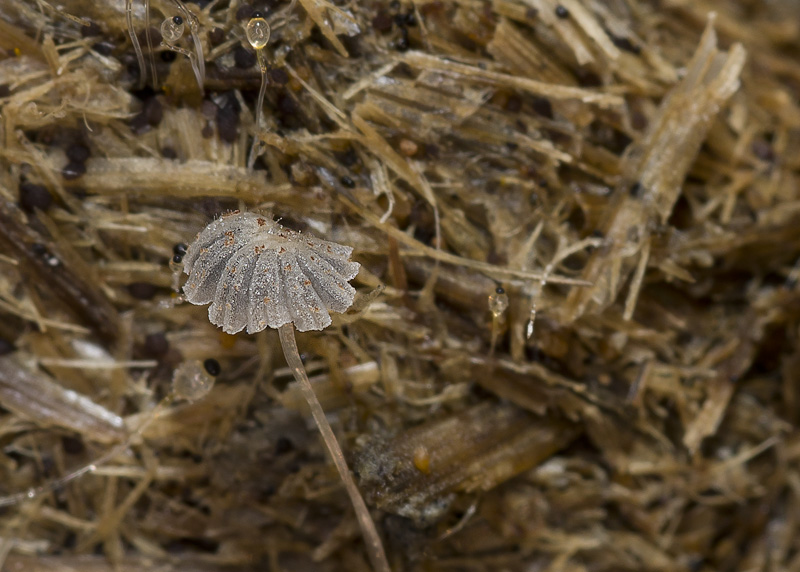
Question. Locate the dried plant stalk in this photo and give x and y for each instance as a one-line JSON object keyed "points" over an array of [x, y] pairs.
{"points": [[417, 473], [45, 402], [655, 170]]}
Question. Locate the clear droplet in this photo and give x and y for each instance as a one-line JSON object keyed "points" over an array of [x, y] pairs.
{"points": [[258, 32], [498, 302], [172, 29], [191, 381]]}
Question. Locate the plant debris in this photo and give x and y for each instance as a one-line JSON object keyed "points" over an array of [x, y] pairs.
{"points": [[573, 344]]}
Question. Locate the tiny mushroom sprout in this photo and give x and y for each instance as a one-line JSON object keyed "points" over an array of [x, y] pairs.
{"points": [[258, 274]]}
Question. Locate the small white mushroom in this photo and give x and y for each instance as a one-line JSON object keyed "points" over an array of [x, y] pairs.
{"points": [[258, 274]]}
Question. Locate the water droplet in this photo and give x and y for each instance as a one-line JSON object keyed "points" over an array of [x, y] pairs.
{"points": [[258, 32], [498, 302], [191, 381], [172, 29]]}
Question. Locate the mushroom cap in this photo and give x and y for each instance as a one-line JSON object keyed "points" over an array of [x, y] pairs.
{"points": [[257, 273]]}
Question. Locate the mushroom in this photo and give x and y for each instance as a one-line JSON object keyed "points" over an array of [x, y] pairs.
{"points": [[258, 274]]}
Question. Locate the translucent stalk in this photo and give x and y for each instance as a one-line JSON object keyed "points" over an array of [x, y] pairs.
{"points": [[258, 32], [375, 551], [135, 41]]}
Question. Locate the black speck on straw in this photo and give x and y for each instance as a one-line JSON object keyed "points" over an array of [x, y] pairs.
{"points": [[73, 170], [33, 196], [212, 367]]}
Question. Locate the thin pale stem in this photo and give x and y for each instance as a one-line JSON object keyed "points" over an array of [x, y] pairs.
{"points": [[153, 74], [198, 60], [251, 160], [375, 551], [135, 41]]}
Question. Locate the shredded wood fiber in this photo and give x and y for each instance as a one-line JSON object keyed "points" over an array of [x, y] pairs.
{"points": [[623, 174]]}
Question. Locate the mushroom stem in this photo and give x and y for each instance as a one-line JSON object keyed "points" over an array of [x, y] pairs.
{"points": [[251, 160], [375, 551], [135, 41]]}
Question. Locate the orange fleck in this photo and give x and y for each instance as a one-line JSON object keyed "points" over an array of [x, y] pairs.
{"points": [[422, 460]]}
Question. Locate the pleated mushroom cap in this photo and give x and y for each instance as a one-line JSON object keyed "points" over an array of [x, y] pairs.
{"points": [[258, 274]]}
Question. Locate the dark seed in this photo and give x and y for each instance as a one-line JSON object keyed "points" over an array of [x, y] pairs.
{"points": [[156, 345], [32, 196], [635, 190], [78, 153], [278, 76], [169, 153], [348, 182], [257, 14], [212, 367], [177, 259], [626, 45], [382, 22], [543, 107], [177, 20], [228, 123], [500, 290], [73, 170], [562, 12], [72, 445], [180, 249], [244, 12], [243, 58], [588, 78], [411, 19], [763, 150], [91, 30], [153, 111], [142, 290], [216, 36], [283, 445], [6, 347]]}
